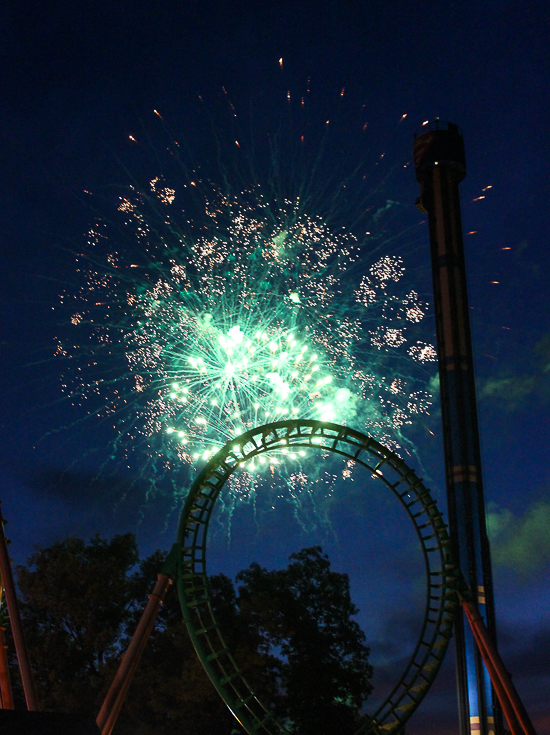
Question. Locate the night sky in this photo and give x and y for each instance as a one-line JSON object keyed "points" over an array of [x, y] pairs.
{"points": [[79, 78]]}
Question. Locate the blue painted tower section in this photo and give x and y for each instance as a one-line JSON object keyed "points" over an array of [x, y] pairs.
{"points": [[440, 167]]}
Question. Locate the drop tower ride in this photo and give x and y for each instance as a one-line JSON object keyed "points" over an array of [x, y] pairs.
{"points": [[440, 165]]}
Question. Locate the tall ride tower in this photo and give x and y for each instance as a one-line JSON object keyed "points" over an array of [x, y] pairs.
{"points": [[440, 167]]}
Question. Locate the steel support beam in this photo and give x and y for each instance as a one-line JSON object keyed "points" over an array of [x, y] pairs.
{"points": [[15, 622], [116, 695]]}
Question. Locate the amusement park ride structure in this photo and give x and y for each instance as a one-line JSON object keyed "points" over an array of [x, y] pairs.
{"points": [[458, 571], [440, 166]]}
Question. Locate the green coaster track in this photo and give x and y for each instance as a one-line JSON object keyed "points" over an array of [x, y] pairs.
{"points": [[416, 501]]}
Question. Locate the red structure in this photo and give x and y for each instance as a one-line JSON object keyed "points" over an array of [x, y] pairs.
{"points": [[15, 620]]}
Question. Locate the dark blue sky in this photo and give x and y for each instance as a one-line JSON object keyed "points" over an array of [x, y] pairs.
{"points": [[78, 78]]}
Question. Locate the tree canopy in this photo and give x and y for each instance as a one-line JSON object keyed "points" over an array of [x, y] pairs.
{"points": [[291, 630], [305, 612]]}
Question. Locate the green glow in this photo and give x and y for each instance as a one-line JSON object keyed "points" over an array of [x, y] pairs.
{"points": [[255, 313]]}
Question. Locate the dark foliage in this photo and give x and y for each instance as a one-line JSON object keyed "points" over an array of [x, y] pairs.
{"points": [[77, 603], [305, 612], [291, 631]]}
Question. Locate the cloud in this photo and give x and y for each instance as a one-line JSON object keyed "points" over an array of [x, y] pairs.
{"points": [[83, 489], [514, 391], [521, 543], [526, 653], [433, 384]]}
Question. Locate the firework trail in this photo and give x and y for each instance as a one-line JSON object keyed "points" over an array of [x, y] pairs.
{"points": [[209, 311]]}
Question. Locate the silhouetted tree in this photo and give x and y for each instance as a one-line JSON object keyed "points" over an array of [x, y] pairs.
{"points": [[305, 612], [77, 603], [80, 606], [291, 630]]}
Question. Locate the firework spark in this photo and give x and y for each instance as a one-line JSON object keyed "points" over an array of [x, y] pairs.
{"points": [[222, 311]]}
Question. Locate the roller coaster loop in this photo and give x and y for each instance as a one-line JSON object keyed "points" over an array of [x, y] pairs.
{"points": [[416, 501]]}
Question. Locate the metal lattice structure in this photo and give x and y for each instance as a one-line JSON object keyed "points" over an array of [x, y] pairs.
{"points": [[421, 509]]}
